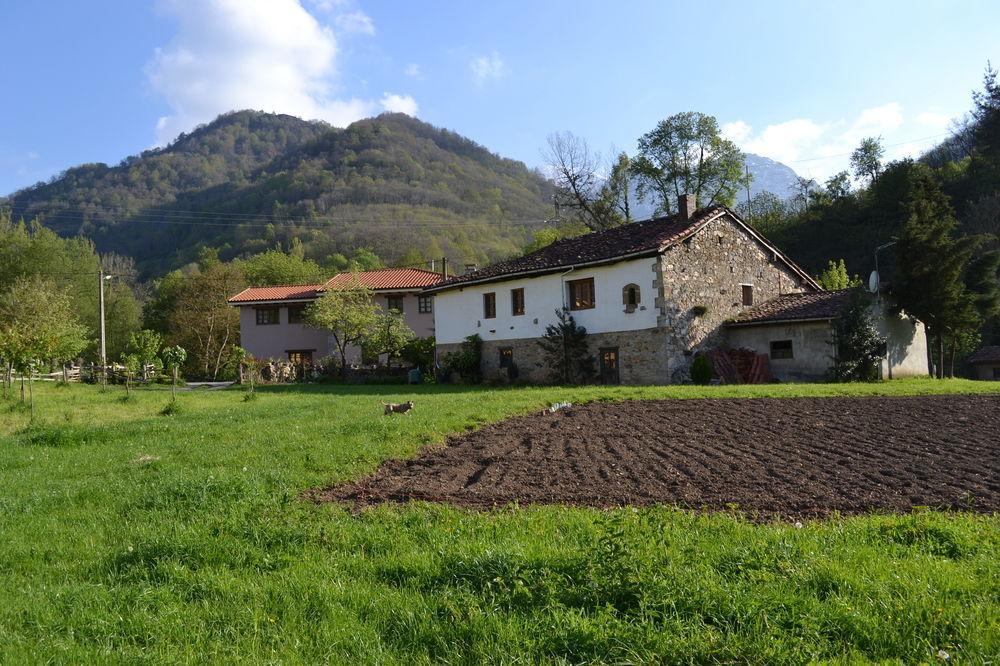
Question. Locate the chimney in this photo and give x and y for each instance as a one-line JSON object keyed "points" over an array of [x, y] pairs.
{"points": [[687, 204]]}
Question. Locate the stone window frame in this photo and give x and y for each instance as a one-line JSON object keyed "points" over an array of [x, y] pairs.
{"points": [[631, 307], [268, 315], [517, 302], [783, 353], [490, 305], [746, 294]]}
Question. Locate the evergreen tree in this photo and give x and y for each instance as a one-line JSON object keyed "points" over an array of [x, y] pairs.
{"points": [[566, 351], [931, 264]]}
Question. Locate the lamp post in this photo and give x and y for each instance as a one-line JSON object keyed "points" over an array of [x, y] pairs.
{"points": [[104, 354]]}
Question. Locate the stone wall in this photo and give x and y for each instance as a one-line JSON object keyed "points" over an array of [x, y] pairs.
{"points": [[812, 350], [642, 356], [708, 271]]}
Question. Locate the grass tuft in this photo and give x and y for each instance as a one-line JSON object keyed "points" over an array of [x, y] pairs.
{"points": [[171, 408]]}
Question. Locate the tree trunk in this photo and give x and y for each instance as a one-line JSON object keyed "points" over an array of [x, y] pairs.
{"points": [[343, 363], [940, 370], [31, 394], [951, 362], [173, 386]]}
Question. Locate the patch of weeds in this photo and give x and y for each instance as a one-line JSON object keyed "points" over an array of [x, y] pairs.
{"points": [[926, 534], [249, 397], [41, 434], [18, 407], [127, 399], [171, 408]]}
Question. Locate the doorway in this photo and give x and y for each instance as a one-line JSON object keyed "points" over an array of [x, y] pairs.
{"points": [[609, 365]]}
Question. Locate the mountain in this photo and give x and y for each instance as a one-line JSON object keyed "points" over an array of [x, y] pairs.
{"points": [[770, 176], [249, 181]]}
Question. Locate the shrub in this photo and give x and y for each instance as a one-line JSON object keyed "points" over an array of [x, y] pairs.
{"points": [[467, 361], [701, 370], [566, 350]]}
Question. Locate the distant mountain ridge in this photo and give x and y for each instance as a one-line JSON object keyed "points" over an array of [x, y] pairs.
{"points": [[249, 181]]}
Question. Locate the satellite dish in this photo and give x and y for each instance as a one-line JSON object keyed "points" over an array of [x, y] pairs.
{"points": [[873, 281]]}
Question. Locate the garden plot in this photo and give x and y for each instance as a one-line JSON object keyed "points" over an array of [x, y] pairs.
{"points": [[796, 457]]}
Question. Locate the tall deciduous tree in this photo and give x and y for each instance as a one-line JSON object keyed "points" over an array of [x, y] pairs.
{"points": [[687, 154], [349, 314], [598, 202], [37, 324], [202, 320], [866, 160], [931, 264], [836, 277]]}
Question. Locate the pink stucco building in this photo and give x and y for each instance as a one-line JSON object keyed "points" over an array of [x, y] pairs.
{"points": [[271, 325]]}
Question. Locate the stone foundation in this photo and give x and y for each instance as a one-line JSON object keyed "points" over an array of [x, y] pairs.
{"points": [[643, 357]]}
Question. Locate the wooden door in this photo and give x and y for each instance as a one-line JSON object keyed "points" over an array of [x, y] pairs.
{"points": [[609, 365]]}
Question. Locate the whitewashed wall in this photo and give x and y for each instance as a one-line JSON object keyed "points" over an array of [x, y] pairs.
{"points": [[458, 313]]}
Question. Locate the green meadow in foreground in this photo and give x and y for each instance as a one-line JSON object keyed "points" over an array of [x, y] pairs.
{"points": [[130, 536]]}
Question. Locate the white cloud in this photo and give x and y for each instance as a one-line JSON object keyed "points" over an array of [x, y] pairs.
{"points": [[412, 70], [399, 104], [487, 68], [269, 55], [817, 149], [355, 22], [932, 120]]}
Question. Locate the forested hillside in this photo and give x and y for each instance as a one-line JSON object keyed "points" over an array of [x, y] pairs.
{"points": [[251, 181]]}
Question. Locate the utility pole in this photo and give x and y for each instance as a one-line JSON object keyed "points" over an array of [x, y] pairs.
{"points": [[749, 209], [104, 353]]}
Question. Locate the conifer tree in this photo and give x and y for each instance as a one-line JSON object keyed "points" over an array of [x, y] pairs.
{"points": [[566, 351]]}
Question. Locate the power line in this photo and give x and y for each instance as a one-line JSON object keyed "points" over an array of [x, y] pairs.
{"points": [[888, 145]]}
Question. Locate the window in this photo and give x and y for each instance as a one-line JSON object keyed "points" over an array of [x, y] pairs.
{"points": [[517, 302], [424, 304], [301, 357], [630, 297], [267, 316], [747, 294], [581, 294], [394, 303], [506, 357], [781, 349], [296, 314], [489, 305]]}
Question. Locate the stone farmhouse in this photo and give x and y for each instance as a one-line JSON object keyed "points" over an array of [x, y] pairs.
{"points": [[271, 325], [653, 295]]}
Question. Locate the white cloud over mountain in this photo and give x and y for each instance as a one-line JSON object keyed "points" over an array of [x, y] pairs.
{"points": [[820, 149], [487, 68], [269, 55]]}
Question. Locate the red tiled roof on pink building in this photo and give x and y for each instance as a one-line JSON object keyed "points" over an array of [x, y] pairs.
{"points": [[386, 279], [292, 292]]}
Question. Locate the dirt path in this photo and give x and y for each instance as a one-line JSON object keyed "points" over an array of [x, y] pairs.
{"points": [[791, 457]]}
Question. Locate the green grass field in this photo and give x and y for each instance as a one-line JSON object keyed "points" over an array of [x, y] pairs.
{"points": [[127, 536]]}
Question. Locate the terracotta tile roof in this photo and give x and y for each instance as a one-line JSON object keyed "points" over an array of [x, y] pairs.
{"points": [[289, 292], [384, 279], [637, 239], [986, 355], [387, 278], [796, 307]]}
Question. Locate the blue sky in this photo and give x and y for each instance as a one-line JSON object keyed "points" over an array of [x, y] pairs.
{"points": [[800, 82]]}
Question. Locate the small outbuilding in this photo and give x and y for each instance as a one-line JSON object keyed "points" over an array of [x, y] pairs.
{"points": [[986, 362], [795, 332]]}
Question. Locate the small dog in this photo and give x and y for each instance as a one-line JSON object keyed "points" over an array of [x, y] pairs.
{"points": [[397, 408]]}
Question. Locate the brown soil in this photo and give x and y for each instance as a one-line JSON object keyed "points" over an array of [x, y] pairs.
{"points": [[768, 456]]}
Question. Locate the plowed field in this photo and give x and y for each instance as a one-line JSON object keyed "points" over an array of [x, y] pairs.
{"points": [[785, 456]]}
